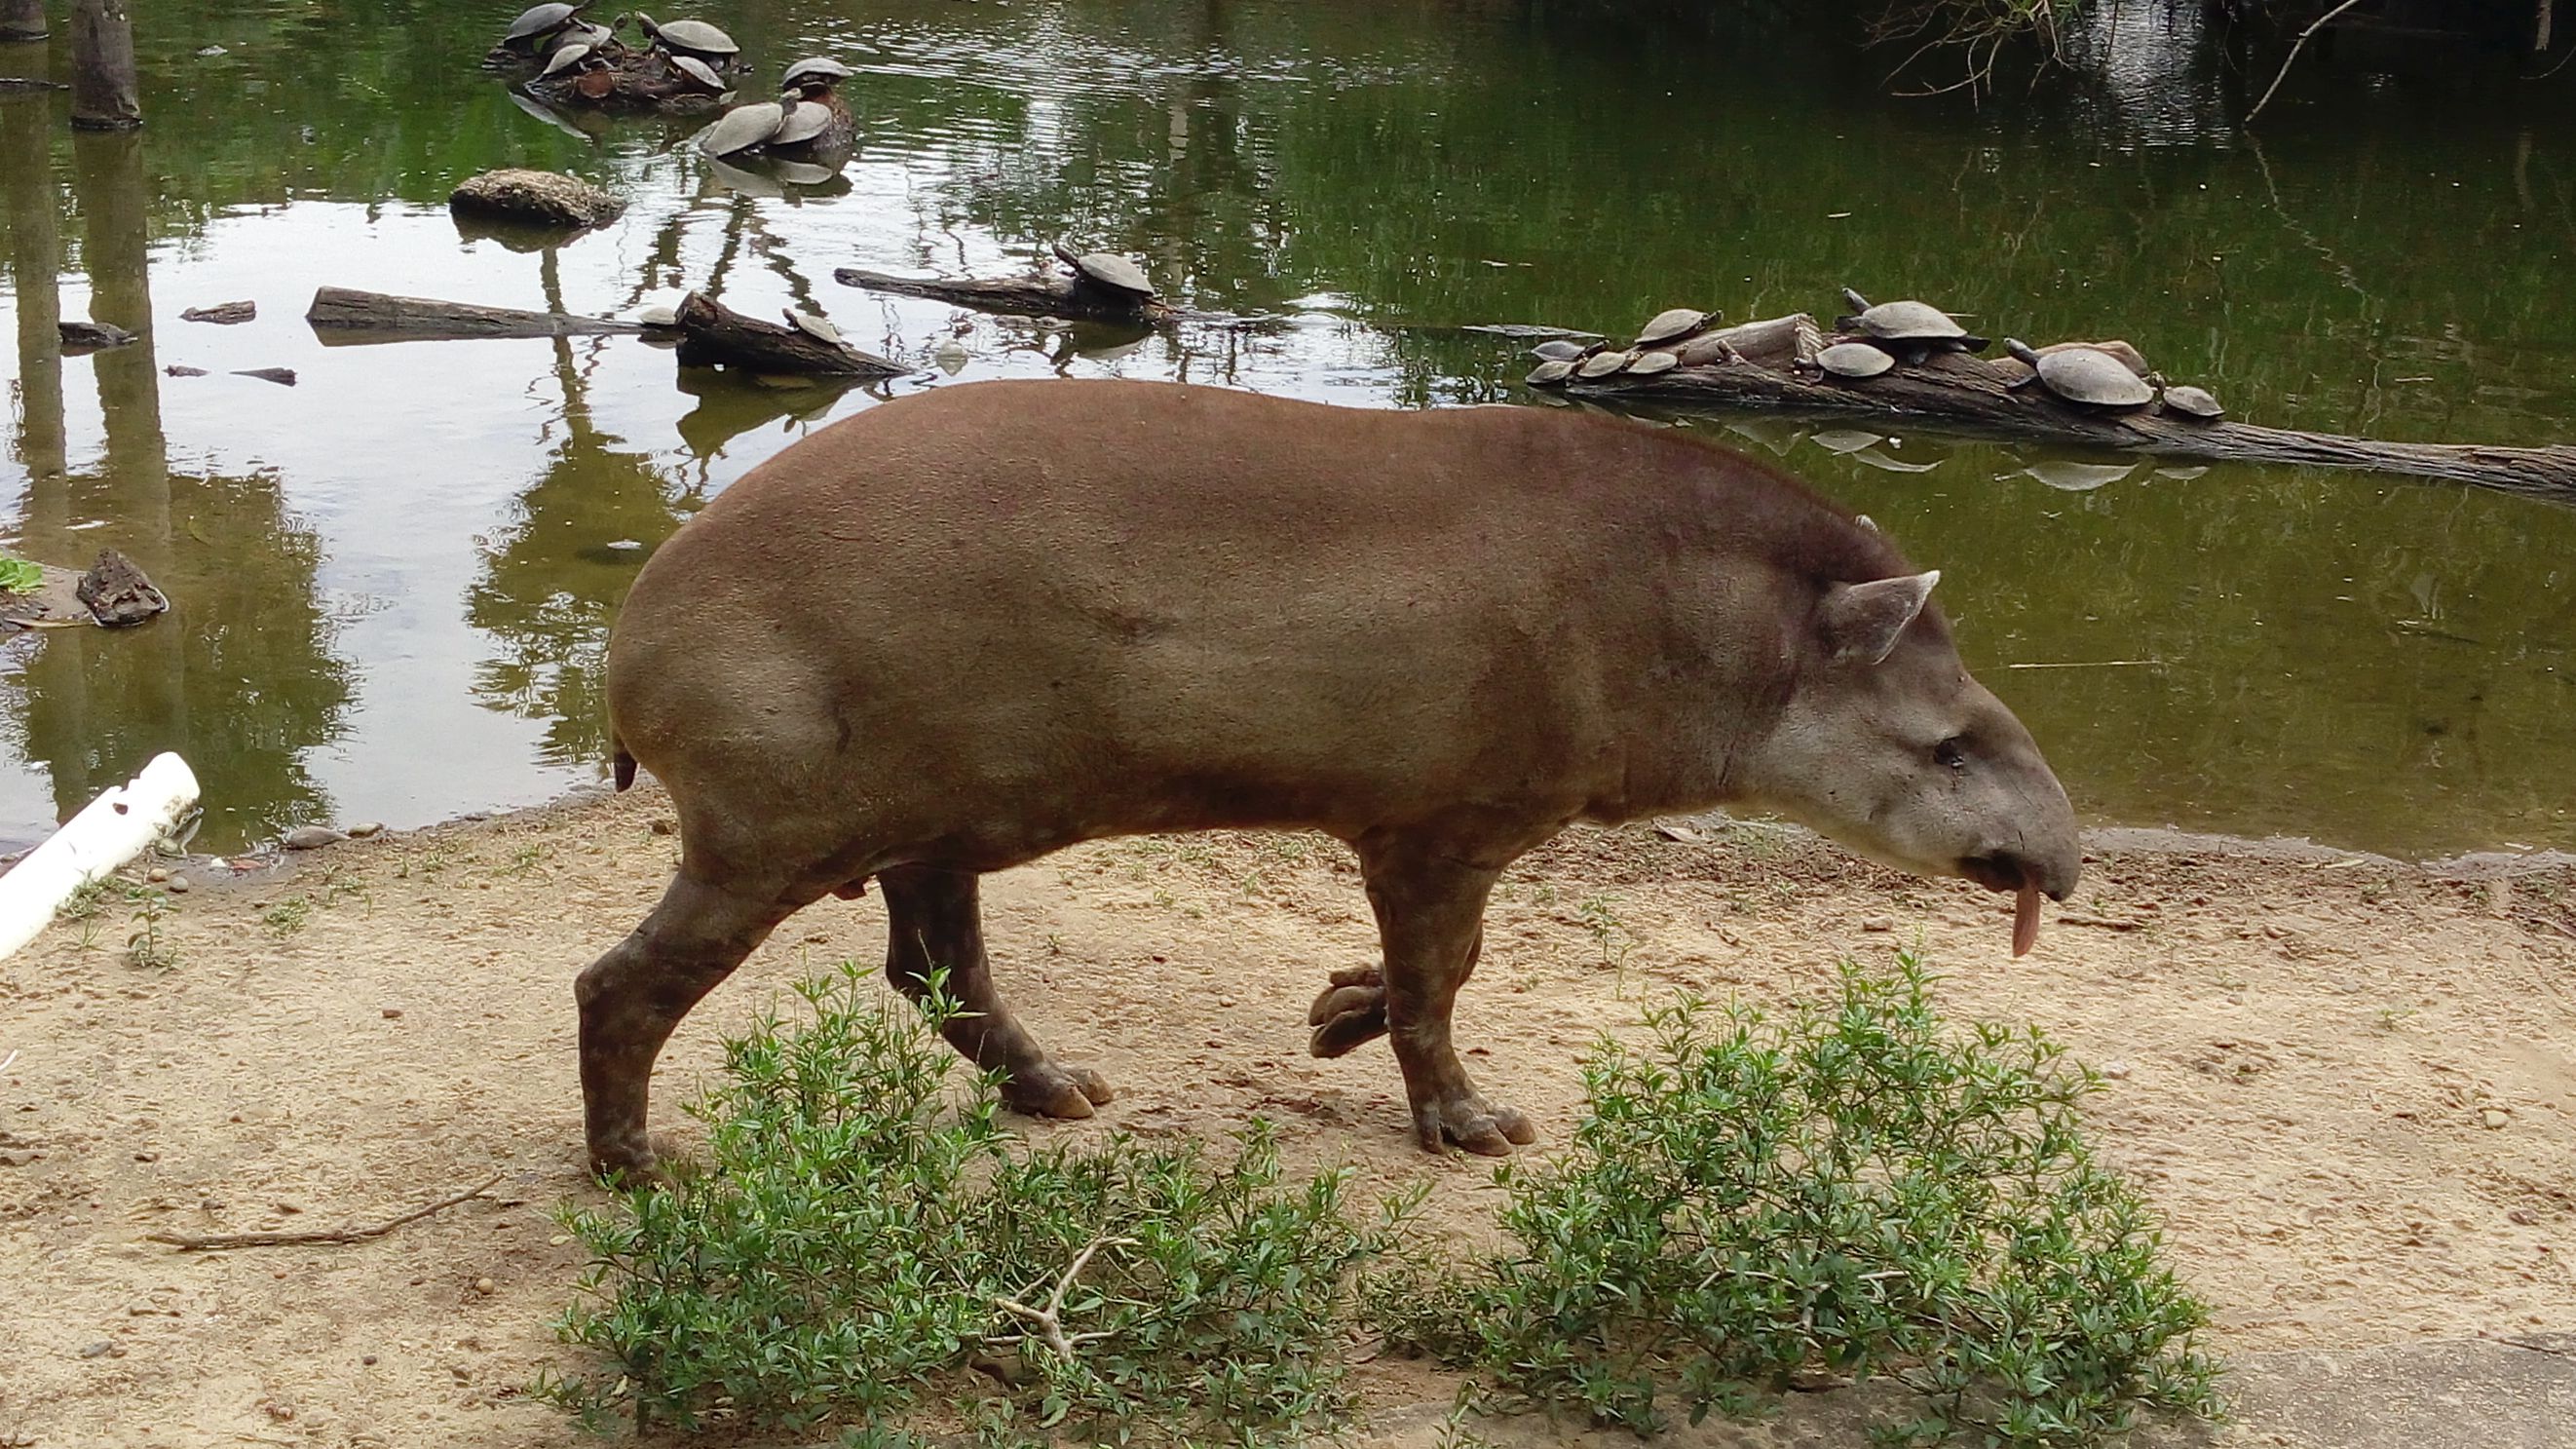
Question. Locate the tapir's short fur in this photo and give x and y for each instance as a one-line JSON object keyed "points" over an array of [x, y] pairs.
{"points": [[954, 633]]}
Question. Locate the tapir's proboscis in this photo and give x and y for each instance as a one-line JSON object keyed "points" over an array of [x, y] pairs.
{"points": [[957, 632]]}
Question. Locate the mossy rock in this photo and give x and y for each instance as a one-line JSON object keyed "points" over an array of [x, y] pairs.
{"points": [[540, 198]]}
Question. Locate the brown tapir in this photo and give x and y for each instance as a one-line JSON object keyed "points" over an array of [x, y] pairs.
{"points": [[957, 632]]}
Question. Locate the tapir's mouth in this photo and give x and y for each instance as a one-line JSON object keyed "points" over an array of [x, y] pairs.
{"points": [[2001, 872]]}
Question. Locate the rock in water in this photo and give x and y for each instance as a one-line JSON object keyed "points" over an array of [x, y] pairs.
{"points": [[91, 336], [118, 593], [547, 198], [224, 314], [312, 837]]}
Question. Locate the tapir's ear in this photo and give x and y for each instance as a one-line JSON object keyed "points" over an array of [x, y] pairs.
{"points": [[1862, 621]]}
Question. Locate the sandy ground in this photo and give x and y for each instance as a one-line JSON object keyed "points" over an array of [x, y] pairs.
{"points": [[2349, 1085]]}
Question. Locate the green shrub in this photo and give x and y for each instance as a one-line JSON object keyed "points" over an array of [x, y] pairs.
{"points": [[1852, 1188], [866, 1244]]}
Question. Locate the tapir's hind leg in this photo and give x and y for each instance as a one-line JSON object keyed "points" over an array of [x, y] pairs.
{"points": [[934, 921], [632, 997], [1430, 904]]}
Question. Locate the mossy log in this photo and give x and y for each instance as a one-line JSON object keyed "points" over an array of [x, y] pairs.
{"points": [[1956, 392], [712, 334], [341, 316]]}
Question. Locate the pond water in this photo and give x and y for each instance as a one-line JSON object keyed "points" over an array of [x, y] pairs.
{"points": [[393, 580]]}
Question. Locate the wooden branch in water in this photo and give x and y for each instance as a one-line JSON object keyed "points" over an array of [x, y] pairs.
{"points": [[1039, 294], [341, 316], [219, 1242], [712, 334], [1959, 393]]}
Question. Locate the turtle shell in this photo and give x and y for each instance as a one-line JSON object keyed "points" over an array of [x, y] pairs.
{"points": [[541, 20], [1679, 322], [568, 56], [659, 317], [1602, 364], [1117, 273], [1551, 372], [803, 122], [1854, 360], [742, 128], [1910, 322], [696, 35], [1650, 363], [1558, 349], [698, 72], [818, 66], [2092, 377], [814, 326], [2193, 402]]}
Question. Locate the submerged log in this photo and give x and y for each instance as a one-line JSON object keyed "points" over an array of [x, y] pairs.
{"points": [[712, 334], [1959, 393], [340, 316], [1041, 294]]}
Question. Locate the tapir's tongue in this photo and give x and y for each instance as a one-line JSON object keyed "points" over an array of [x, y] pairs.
{"points": [[2026, 919]]}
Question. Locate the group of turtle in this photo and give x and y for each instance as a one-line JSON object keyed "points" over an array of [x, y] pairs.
{"points": [[807, 119], [1873, 341], [579, 60]]}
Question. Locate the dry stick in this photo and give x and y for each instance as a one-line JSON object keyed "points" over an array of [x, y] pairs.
{"points": [[1049, 1323], [220, 1241], [2320, 23]]}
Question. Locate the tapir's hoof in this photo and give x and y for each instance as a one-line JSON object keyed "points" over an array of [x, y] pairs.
{"points": [[1050, 1090], [627, 1168], [1349, 1013], [1481, 1127]]}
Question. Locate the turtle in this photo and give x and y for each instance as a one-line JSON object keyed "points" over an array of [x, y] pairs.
{"points": [[1554, 370], [1911, 324], [742, 128], [691, 37], [658, 317], [1673, 325], [2193, 402], [1602, 364], [540, 22], [1854, 360], [567, 55], [2086, 376], [698, 73], [813, 325], [1558, 349], [1109, 272], [819, 70], [804, 121], [1647, 364]]}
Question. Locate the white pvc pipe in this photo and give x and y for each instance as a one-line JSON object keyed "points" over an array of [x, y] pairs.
{"points": [[115, 828]]}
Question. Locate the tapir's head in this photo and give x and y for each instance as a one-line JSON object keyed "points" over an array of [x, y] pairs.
{"points": [[1887, 746]]}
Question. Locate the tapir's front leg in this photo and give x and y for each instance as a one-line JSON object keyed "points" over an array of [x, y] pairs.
{"points": [[1430, 905]]}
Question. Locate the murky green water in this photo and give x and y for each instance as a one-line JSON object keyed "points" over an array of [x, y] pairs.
{"points": [[393, 580]]}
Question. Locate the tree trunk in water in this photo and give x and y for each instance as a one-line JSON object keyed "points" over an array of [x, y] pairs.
{"points": [[104, 96], [22, 20], [35, 261]]}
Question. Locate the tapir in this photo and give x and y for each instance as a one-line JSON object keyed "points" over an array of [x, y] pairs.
{"points": [[958, 631]]}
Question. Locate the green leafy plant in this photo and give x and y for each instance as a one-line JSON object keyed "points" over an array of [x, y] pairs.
{"points": [[287, 917], [1852, 1187], [865, 1241], [18, 576], [146, 947]]}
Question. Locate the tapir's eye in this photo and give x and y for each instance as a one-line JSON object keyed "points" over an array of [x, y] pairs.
{"points": [[1949, 753]]}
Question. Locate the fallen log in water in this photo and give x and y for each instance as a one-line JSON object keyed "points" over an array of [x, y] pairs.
{"points": [[1772, 370], [1042, 294], [712, 334], [341, 316]]}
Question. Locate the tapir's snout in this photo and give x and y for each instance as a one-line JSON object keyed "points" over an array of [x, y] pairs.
{"points": [[2052, 873]]}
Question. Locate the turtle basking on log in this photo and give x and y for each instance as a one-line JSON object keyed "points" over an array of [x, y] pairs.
{"points": [[2086, 394]]}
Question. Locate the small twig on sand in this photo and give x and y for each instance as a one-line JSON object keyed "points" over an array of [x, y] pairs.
{"points": [[2291, 59], [219, 1241], [2100, 923], [8, 1061], [2087, 664], [1048, 1320]]}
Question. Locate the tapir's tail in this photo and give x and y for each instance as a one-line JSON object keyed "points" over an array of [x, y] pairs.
{"points": [[620, 763]]}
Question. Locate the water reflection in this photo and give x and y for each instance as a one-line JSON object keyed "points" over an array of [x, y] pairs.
{"points": [[238, 677]]}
